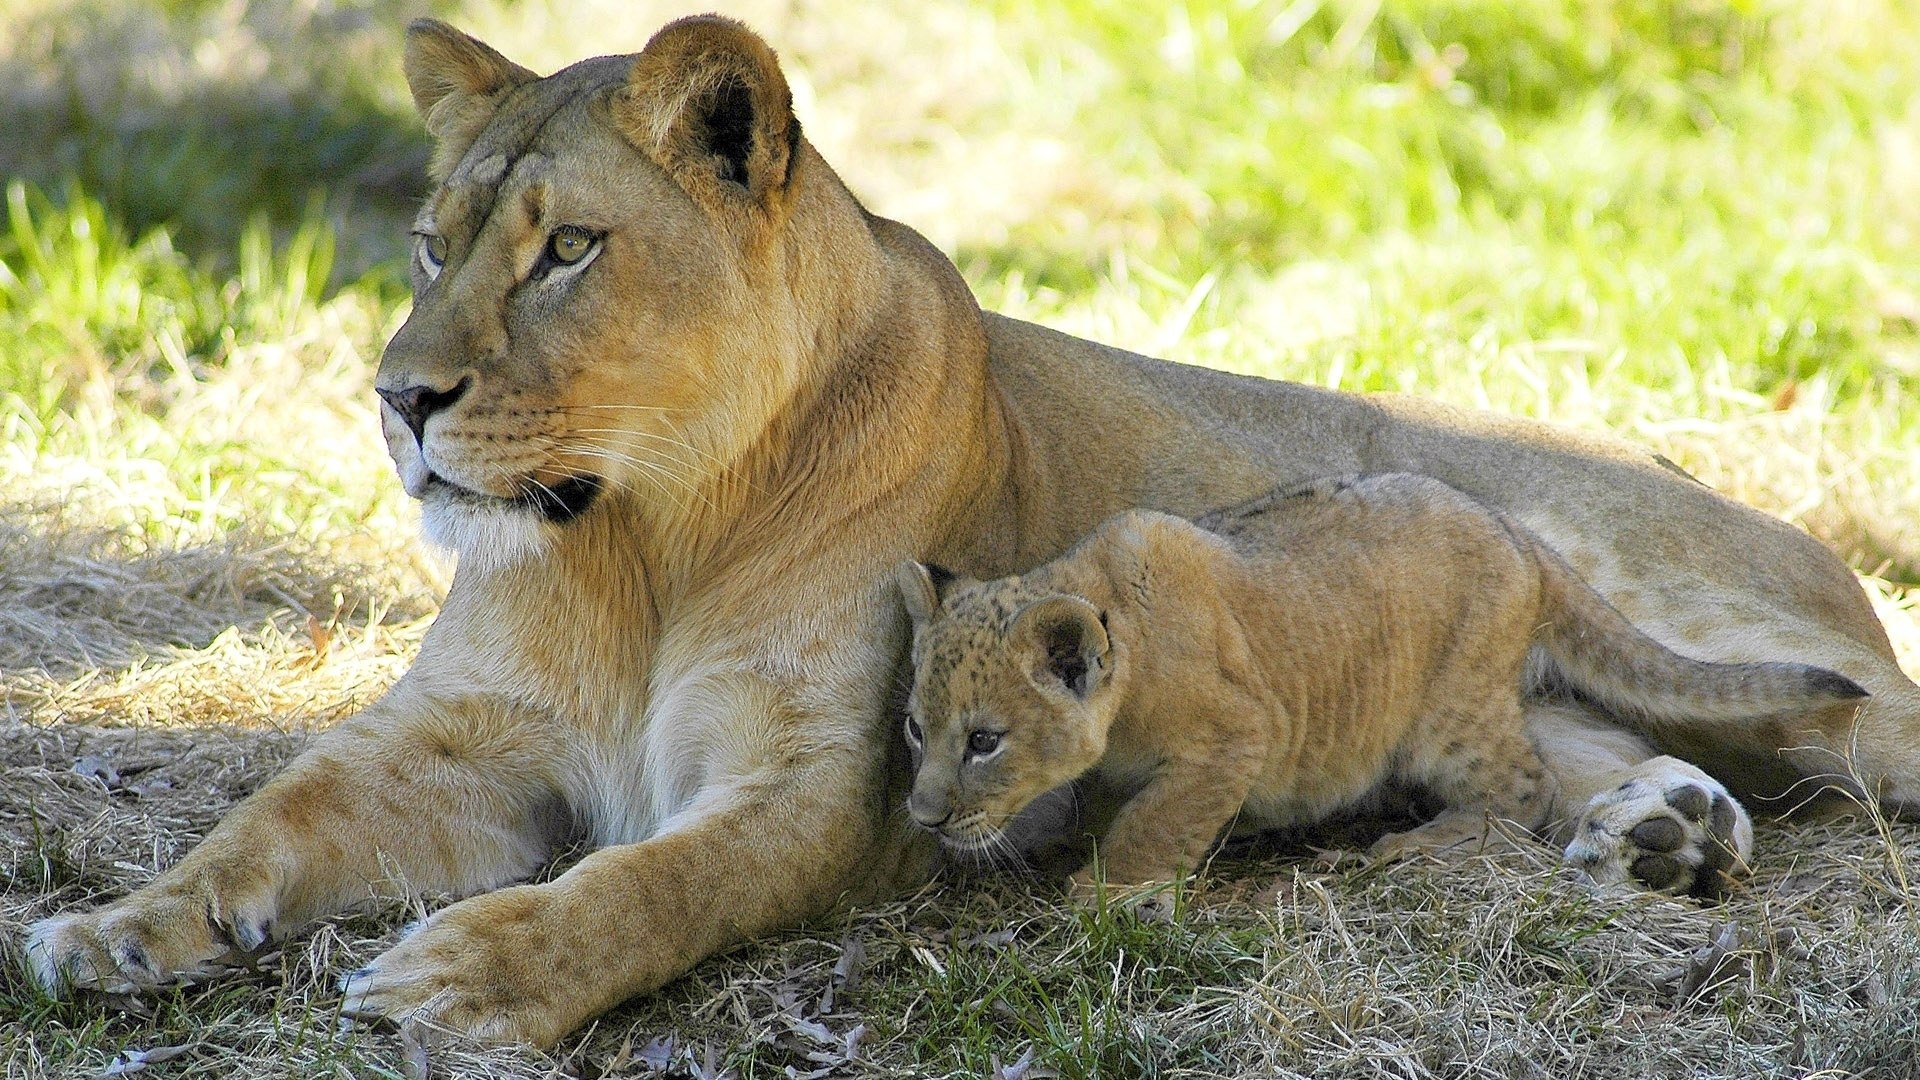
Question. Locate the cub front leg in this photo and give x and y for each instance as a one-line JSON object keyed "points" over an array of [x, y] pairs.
{"points": [[1168, 826], [414, 793]]}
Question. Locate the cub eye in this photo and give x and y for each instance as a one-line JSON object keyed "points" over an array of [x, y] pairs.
{"points": [[983, 742], [914, 734], [569, 244]]}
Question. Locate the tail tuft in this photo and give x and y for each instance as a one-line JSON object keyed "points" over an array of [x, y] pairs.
{"points": [[1832, 684]]}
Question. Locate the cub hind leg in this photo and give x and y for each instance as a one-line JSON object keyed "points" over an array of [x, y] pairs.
{"points": [[1485, 770]]}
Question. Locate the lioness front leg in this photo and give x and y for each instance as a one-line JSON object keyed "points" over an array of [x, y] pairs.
{"points": [[530, 963], [780, 814], [414, 793]]}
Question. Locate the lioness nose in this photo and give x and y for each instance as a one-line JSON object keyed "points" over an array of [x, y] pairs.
{"points": [[416, 403]]}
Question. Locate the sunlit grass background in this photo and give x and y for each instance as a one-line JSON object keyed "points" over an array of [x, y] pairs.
{"points": [[1696, 224]]}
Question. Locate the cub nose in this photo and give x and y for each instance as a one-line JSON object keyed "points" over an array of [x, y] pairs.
{"points": [[416, 403], [928, 811]]}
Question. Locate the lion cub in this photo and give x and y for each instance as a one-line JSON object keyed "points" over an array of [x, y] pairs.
{"points": [[1280, 660]]}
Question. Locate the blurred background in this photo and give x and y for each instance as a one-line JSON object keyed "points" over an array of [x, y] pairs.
{"points": [[1693, 223]]}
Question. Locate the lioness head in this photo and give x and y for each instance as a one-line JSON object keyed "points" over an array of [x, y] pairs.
{"points": [[1012, 696], [604, 299]]}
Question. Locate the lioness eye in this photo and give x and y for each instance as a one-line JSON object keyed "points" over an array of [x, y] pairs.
{"points": [[569, 245], [983, 742], [914, 735], [433, 250]]}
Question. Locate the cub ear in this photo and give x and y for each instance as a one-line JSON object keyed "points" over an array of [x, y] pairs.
{"points": [[1064, 641], [707, 100], [457, 82], [922, 585]]}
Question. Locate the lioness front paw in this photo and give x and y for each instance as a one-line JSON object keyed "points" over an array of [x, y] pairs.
{"points": [[492, 969], [153, 937], [1671, 827]]}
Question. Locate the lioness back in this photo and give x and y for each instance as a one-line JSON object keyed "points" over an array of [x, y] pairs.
{"points": [[1280, 659]]}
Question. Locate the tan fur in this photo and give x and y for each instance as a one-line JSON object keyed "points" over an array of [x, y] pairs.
{"points": [[759, 399], [1280, 660]]}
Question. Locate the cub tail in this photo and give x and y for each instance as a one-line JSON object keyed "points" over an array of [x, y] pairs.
{"points": [[1595, 649]]}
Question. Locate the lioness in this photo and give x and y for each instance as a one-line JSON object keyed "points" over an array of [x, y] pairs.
{"points": [[1281, 660], [682, 404]]}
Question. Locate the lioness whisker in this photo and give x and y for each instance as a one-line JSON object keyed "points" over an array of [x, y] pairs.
{"points": [[628, 452], [678, 444], [652, 470]]}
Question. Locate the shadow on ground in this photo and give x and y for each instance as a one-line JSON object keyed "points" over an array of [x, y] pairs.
{"points": [[197, 116]]}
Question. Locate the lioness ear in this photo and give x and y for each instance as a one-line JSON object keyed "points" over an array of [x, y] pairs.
{"points": [[921, 586], [707, 100], [457, 83], [1065, 642]]}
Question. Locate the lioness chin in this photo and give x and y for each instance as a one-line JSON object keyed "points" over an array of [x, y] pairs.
{"points": [[682, 404]]}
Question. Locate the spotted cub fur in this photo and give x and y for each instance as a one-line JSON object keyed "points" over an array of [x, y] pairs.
{"points": [[1280, 660]]}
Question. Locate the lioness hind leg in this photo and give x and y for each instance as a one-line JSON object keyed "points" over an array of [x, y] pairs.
{"points": [[1486, 771], [1630, 814]]}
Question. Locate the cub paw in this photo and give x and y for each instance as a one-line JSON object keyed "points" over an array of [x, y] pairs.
{"points": [[1670, 827], [491, 969], [153, 937]]}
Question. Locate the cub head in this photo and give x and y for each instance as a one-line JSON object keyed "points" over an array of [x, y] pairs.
{"points": [[603, 297], [1013, 691]]}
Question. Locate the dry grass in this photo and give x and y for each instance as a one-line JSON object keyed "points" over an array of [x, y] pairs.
{"points": [[203, 557], [1282, 966]]}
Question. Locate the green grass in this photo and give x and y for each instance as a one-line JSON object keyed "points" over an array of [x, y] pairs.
{"points": [[1692, 223]]}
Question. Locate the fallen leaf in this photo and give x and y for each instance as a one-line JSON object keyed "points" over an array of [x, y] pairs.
{"points": [[415, 1061], [321, 636], [134, 1004], [711, 1069], [148, 788], [925, 956], [994, 940], [853, 1040], [786, 998], [853, 956], [132, 1061], [1874, 989], [1015, 1071], [658, 1054], [621, 1056], [99, 768], [1278, 893], [1340, 858], [814, 1030], [1712, 965]]}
